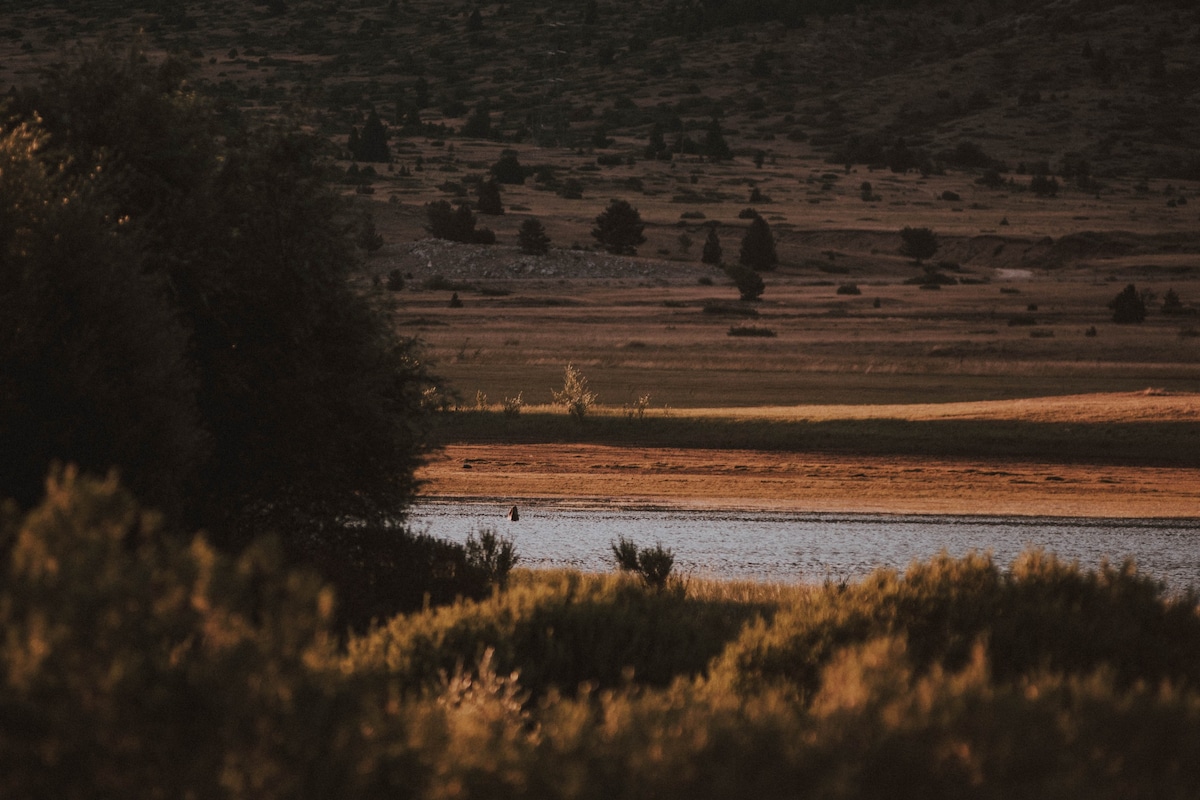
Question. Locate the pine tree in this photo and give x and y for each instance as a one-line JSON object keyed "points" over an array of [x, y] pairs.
{"points": [[619, 228], [533, 239], [758, 246], [479, 124], [715, 146], [1128, 306], [488, 195], [656, 147], [918, 243], [712, 247], [373, 144]]}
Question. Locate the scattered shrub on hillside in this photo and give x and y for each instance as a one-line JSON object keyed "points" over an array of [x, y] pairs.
{"points": [[849, 288], [653, 565], [575, 394], [1043, 186], [511, 406], [751, 330]]}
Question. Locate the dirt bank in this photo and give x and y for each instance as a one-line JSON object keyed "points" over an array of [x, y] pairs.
{"points": [[796, 481]]}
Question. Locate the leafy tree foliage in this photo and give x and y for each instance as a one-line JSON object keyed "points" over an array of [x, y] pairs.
{"points": [[619, 228], [575, 395], [532, 238], [1128, 306], [918, 243], [758, 246], [187, 315], [93, 364], [712, 247]]}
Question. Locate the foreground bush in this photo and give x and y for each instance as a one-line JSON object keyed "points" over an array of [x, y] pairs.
{"points": [[136, 665]]}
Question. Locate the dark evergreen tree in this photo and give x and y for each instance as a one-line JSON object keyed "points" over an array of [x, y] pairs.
{"points": [[508, 169], [1172, 305], [479, 124], [455, 224], [488, 196], [656, 147], [749, 283], [372, 145], [712, 247], [619, 228], [918, 243], [714, 145], [213, 344], [475, 21], [758, 246], [354, 145], [532, 238], [1128, 306], [368, 238], [421, 94]]}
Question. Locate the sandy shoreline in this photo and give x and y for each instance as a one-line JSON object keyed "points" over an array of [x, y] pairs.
{"points": [[745, 479]]}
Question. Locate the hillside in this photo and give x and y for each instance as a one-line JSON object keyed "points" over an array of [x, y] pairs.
{"points": [[1112, 85]]}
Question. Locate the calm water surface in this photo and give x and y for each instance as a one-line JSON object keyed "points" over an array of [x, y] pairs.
{"points": [[796, 547]]}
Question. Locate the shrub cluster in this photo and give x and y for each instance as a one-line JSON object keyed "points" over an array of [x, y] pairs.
{"points": [[138, 665]]}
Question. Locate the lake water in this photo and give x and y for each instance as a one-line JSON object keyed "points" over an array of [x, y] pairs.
{"points": [[797, 547]]}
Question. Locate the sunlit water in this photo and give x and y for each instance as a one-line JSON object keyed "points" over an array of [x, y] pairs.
{"points": [[794, 547]]}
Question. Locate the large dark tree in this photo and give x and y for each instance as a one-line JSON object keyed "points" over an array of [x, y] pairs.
{"points": [[479, 124], [712, 247], [187, 315], [532, 238], [372, 141], [714, 145], [918, 243], [619, 228], [455, 223], [93, 366], [487, 195], [749, 283], [758, 246], [1128, 306]]}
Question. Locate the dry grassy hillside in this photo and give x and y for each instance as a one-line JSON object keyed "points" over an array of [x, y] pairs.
{"points": [[1101, 96]]}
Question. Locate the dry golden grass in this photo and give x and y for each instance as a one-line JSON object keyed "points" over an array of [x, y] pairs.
{"points": [[798, 481]]}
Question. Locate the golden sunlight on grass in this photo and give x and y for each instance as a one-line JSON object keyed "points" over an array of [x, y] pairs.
{"points": [[1148, 406]]}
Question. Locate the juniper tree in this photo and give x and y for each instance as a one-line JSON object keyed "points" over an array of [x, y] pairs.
{"points": [[372, 142], [712, 247], [619, 228], [758, 246], [918, 243], [532, 238], [488, 196]]}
